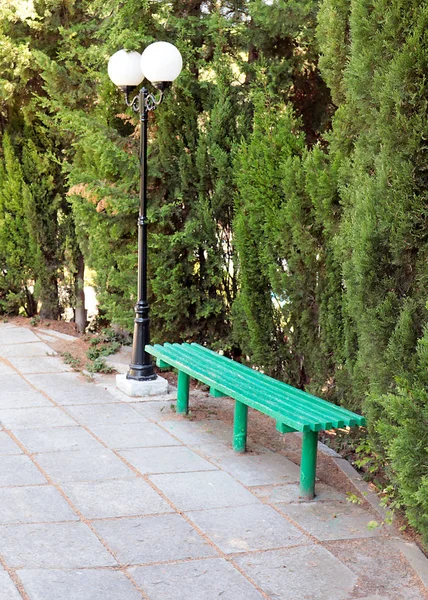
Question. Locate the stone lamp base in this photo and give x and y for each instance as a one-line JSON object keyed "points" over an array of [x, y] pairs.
{"points": [[141, 389]]}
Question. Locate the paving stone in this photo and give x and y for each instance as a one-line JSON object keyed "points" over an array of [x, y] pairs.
{"points": [[70, 389], [375, 597], [300, 572], [200, 432], [176, 459], [133, 435], [57, 439], [86, 584], [16, 335], [83, 466], [62, 559], [8, 446], [31, 418], [374, 561], [246, 528], [414, 555], [12, 383], [39, 364], [163, 410], [26, 350], [58, 335], [19, 470], [153, 539], [332, 520], [258, 467], [6, 370], [23, 399], [120, 360], [208, 579], [108, 382], [53, 545], [46, 337], [203, 490], [33, 505], [118, 498], [105, 414], [290, 492], [8, 590]]}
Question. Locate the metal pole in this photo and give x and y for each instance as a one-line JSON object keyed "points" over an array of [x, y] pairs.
{"points": [[141, 367]]}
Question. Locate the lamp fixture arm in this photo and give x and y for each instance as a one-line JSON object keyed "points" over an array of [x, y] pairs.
{"points": [[150, 101]]}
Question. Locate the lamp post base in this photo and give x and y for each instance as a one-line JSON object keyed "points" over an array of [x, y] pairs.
{"points": [[141, 389]]}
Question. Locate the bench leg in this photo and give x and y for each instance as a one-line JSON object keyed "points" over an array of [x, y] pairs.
{"points": [[308, 464], [240, 427], [183, 393]]}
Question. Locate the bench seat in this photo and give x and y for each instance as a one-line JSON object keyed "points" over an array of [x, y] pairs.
{"points": [[292, 409]]}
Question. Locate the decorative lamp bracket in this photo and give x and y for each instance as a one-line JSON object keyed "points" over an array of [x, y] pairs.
{"points": [[151, 102]]}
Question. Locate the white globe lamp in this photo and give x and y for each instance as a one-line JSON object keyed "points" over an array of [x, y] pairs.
{"points": [[161, 63], [124, 69]]}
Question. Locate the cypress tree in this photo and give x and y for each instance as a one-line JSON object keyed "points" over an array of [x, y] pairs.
{"points": [[190, 237], [378, 82], [383, 190], [17, 249], [30, 34]]}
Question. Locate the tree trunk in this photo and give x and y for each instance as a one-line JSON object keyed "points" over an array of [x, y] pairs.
{"points": [[80, 312], [49, 297], [31, 304]]}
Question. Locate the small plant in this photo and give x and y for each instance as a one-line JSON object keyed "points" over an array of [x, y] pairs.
{"points": [[104, 344], [34, 321], [353, 498], [370, 462], [99, 365], [71, 360]]}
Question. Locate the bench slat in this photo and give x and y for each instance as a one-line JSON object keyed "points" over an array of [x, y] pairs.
{"points": [[339, 411], [237, 384], [321, 418], [168, 357], [323, 414], [319, 411]]}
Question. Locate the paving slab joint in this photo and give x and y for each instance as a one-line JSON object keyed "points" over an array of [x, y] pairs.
{"points": [[413, 554], [355, 478]]}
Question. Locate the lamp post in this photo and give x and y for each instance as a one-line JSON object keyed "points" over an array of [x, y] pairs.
{"points": [[161, 64]]}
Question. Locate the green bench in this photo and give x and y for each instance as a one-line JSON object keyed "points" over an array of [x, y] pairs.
{"points": [[292, 409]]}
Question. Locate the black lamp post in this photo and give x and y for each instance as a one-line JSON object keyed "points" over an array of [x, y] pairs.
{"points": [[160, 63]]}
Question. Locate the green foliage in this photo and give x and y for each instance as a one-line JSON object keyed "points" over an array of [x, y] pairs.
{"points": [[378, 79], [381, 243], [105, 343], [333, 33], [99, 365], [290, 297], [30, 33], [261, 328], [71, 360], [17, 260], [403, 431]]}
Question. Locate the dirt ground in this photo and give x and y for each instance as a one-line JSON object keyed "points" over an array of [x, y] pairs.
{"points": [[261, 429]]}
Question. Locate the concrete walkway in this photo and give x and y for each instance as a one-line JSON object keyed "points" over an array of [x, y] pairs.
{"points": [[102, 499]]}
